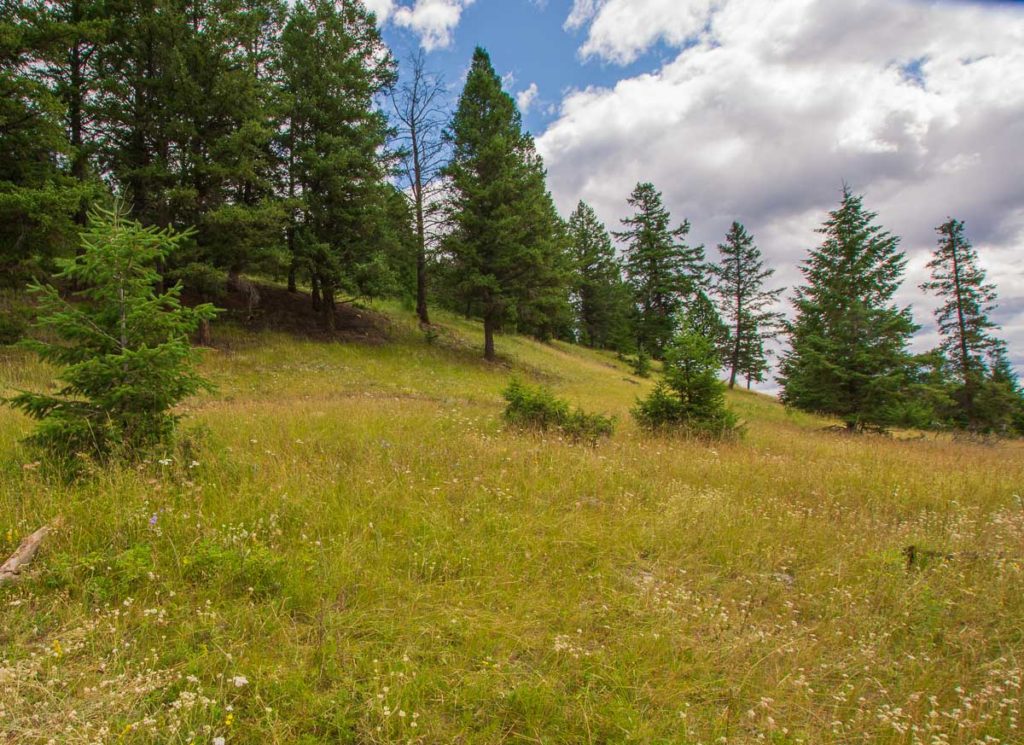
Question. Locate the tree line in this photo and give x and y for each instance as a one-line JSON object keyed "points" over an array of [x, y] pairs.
{"points": [[281, 140]]}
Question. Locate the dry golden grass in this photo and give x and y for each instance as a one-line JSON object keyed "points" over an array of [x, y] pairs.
{"points": [[351, 549]]}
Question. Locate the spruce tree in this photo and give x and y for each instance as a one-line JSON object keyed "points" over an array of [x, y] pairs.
{"points": [[738, 281], [848, 354], [600, 297], [123, 347], [969, 345], [663, 271], [506, 241]]}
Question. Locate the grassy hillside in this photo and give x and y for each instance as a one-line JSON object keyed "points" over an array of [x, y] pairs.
{"points": [[349, 548]]}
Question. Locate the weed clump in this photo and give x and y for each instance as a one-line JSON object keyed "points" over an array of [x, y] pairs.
{"points": [[537, 408]]}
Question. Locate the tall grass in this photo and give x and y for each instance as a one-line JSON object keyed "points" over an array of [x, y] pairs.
{"points": [[354, 549]]}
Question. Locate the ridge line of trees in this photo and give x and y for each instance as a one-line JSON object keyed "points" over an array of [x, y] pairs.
{"points": [[279, 140]]}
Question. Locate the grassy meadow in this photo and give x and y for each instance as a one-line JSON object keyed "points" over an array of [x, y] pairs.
{"points": [[348, 547]]}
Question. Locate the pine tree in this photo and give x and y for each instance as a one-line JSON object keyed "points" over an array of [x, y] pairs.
{"points": [[123, 347], [334, 64], [38, 198], [848, 353], [739, 285], [690, 398], [662, 270], [506, 241], [600, 297], [968, 342]]}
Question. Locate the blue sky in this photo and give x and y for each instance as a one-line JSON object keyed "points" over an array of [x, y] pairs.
{"points": [[760, 110], [527, 41]]}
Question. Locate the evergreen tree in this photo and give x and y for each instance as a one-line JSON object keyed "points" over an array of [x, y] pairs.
{"points": [[848, 353], [600, 297], [701, 317], [752, 361], [690, 398], [506, 242], [662, 270], [123, 347], [334, 64], [38, 198], [739, 284], [968, 343]]}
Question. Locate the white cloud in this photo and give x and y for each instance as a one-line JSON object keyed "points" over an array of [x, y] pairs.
{"points": [[382, 8], [768, 107], [432, 20], [525, 98]]}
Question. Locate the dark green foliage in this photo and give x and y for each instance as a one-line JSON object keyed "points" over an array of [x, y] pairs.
{"points": [[507, 244], [983, 390], [848, 353], [538, 408], [38, 198], [123, 347], [690, 399], [249, 569], [663, 271], [601, 299], [739, 285]]}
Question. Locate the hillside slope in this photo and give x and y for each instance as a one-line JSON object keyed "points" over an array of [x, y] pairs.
{"points": [[349, 548]]}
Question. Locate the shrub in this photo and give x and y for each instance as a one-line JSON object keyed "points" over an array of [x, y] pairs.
{"points": [[690, 399], [123, 346], [538, 408], [12, 328]]}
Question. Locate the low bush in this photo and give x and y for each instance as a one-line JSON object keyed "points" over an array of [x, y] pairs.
{"points": [[536, 407]]}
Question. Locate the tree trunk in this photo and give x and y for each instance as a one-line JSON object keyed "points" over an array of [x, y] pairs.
{"points": [[314, 292], [421, 286], [489, 354], [205, 337], [292, 278], [328, 307]]}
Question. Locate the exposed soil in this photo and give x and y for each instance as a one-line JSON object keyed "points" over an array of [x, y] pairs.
{"points": [[293, 313]]}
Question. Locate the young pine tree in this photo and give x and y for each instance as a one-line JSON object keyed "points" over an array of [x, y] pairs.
{"points": [[122, 347], [506, 240], [690, 398], [663, 272], [968, 342], [600, 298], [738, 281], [848, 354]]}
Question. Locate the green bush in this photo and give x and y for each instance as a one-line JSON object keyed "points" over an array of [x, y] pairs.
{"points": [[690, 399], [538, 408], [238, 570]]}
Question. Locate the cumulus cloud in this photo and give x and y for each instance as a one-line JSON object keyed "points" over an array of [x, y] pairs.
{"points": [[767, 108], [525, 98], [381, 8], [432, 20]]}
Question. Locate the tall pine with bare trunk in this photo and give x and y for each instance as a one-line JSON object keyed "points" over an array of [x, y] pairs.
{"points": [[738, 282]]}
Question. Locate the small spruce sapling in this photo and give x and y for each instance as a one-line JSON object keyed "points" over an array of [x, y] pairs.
{"points": [[690, 398], [122, 346]]}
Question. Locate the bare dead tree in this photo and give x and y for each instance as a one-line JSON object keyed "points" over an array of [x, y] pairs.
{"points": [[421, 111]]}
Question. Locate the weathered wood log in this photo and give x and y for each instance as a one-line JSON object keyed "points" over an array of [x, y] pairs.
{"points": [[27, 551]]}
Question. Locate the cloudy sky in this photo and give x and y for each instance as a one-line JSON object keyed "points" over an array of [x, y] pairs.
{"points": [[759, 110]]}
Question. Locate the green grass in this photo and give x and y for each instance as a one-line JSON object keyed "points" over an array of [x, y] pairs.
{"points": [[353, 532]]}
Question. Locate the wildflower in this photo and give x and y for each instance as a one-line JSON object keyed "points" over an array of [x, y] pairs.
{"points": [[218, 741], [194, 464], [229, 720], [165, 461], [240, 681], [58, 651], [152, 520]]}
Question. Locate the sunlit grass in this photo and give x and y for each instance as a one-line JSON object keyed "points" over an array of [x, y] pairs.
{"points": [[352, 549]]}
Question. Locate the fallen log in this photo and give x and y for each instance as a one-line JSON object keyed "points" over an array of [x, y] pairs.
{"points": [[11, 569]]}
